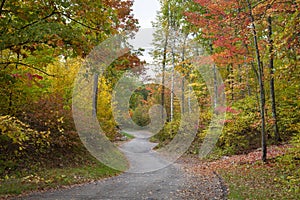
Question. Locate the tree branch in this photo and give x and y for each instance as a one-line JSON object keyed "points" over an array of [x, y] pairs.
{"points": [[27, 65], [19, 44], [46, 17], [78, 22], [1, 6]]}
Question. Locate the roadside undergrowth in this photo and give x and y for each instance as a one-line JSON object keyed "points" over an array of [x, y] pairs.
{"points": [[64, 172], [246, 177]]}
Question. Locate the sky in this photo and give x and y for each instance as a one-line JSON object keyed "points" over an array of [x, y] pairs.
{"points": [[145, 11]]}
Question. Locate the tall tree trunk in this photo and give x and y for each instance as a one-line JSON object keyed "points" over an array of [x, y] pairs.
{"points": [[240, 80], [182, 96], [95, 94], [261, 86], [230, 81], [10, 103], [172, 84], [215, 96], [189, 99], [215, 86], [164, 61], [172, 27], [1, 7], [248, 83], [256, 87], [183, 79], [272, 86]]}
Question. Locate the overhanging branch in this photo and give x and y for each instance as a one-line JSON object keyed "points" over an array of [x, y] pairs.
{"points": [[82, 24], [1, 6], [26, 65], [46, 17]]}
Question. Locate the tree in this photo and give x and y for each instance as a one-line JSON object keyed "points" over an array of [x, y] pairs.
{"points": [[36, 35], [272, 84], [161, 36], [173, 32], [41, 49], [32, 34], [261, 84]]}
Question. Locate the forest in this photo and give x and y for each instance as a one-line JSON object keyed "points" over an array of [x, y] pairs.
{"points": [[251, 50]]}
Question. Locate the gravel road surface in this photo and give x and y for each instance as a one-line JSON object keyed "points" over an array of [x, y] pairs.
{"points": [[149, 177]]}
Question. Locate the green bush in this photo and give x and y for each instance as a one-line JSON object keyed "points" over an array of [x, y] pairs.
{"points": [[289, 164], [18, 140], [288, 117], [167, 133], [241, 130], [140, 116], [51, 114]]}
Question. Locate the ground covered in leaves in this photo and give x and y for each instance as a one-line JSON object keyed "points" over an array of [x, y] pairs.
{"points": [[245, 176], [61, 173], [230, 177]]}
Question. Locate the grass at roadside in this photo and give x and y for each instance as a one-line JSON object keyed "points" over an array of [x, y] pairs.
{"points": [[42, 179], [248, 178], [279, 178], [259, 181], [129, 136]]}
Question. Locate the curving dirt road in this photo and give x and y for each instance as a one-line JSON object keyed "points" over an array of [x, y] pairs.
{"points": [[149, 177]]}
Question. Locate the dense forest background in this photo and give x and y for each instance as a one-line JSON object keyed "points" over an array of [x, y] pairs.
{"points": [[255, 46]]}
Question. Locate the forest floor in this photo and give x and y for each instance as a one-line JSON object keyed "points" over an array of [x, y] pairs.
{"points": [[149, 177], [230, 177], [246, 177]]}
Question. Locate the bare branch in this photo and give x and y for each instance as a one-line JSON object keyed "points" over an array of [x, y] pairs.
{"points": [[46, 17], [82, 24], [1, 6], [27, 65]]}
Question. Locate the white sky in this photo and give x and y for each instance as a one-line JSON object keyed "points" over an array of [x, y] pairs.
{"points": [[145, 11]]}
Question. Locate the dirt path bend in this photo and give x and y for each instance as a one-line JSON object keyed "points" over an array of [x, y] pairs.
{"points": [[149, 177]]}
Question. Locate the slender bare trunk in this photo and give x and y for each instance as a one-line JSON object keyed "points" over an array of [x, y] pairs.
{"points": [[1, 6], [272, 85], [189, 99], [215, 100], [10, 103], [95, 94], [183, 79], [230, 77], [172, 85], [164, 61], [248, 84], [261, 86]]}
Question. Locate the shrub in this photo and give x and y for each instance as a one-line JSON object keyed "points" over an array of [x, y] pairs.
{"points": [[288, 117], [18, 140], [241, 130], [51, 114], [169, 131], [140, 116], [290, 165]]}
